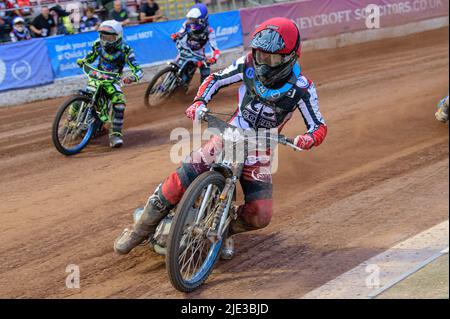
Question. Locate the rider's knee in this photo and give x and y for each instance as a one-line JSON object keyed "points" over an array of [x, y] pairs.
{"points": [[172, 189], [176, 184], [258, 213], [118, 98]]}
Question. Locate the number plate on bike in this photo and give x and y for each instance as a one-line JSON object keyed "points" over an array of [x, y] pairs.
{"points": [[91, 88]]}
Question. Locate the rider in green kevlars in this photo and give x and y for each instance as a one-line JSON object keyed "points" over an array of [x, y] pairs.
{"points": [[113, 55]]}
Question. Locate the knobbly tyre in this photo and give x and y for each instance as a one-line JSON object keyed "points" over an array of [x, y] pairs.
{"points": [[177, 74], [70, 134], [191, 235]]}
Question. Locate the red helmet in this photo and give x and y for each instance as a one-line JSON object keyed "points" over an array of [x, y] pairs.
{"points": [[276, 45]]}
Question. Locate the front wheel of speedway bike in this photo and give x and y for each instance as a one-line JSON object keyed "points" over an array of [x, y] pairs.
{"points": [[74, 125], [161, 87], [191, 256]]}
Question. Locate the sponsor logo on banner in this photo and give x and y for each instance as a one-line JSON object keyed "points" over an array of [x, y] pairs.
{"points": [[21, 70], [2, 71], [227, 31], [24, 64]]}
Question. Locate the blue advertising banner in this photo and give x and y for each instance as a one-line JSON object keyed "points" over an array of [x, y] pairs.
{"points": [[65, 50], [228, 29], [151, 42], [24, 64]]}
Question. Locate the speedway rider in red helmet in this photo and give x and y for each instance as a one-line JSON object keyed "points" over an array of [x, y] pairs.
{"points": [[273, 88]]}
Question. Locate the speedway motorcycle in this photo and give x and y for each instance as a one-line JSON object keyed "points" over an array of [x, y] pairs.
{"points": [[177, 74], [92, 108], [191, 235]]}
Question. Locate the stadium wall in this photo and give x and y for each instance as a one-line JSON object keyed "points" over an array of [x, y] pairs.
{"points": [[347, 30]]}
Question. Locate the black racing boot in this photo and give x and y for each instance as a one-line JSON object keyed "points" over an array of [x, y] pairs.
{"points": [[115, 133], [145, 225]]}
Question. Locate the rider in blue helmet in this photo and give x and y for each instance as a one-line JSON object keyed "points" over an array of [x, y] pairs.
{"points": [[197, 17], [196, 32]]}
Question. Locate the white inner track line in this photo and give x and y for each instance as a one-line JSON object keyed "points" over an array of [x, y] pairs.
{"points": [[393, 265], [409, 273]]}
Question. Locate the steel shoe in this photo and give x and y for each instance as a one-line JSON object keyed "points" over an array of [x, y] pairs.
{"points": [[227, 252], [128, 240], [146, 221], [115, 141]]}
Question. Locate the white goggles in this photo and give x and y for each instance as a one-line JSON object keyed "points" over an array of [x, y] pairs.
{"points": [[108, 37], [270, 59]]}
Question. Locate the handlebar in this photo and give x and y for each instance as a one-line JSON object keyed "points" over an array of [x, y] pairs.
{"points": [[222, 125], [287, 141], [93, 72], [182, 48]]}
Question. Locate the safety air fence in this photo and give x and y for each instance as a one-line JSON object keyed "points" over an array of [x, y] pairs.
{"points": [[40, 62]]}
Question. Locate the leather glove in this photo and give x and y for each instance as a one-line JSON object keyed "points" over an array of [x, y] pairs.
{"points": [[305, 141], [211, 60], [193, 112], [129, 79], [80, 62]]}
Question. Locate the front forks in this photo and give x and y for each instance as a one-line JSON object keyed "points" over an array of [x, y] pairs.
{"points": [[84, 118], [222, 218]]}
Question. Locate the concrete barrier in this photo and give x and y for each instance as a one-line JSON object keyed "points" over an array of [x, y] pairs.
{"points": [[68, 86]]}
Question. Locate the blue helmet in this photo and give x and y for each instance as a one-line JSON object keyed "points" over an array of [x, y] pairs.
{"points": [[197, 18]]}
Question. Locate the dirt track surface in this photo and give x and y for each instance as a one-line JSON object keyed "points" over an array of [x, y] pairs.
{"points": [[380, 177]]}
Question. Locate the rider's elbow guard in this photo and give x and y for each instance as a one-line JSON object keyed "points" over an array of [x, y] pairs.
{"points": [[319, 134]]}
